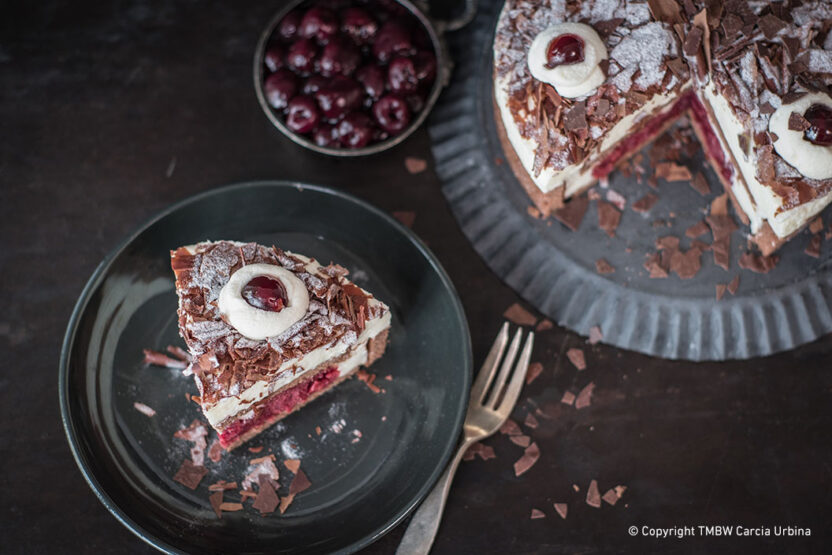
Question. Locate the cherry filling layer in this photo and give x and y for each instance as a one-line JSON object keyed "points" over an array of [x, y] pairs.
{"points": [[282, 403], [688, 102]]}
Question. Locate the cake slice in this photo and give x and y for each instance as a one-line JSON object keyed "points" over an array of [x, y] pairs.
{"points": [[269, 330]]}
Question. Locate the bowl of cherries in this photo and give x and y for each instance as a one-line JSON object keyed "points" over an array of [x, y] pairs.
{"points": [[349, 77]]}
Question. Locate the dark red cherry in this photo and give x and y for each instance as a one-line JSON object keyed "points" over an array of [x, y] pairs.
{"points": [[820, 117], [401, 76], [313, 84], [340, 96], [359, 25], [393, 38], [288, 26], [325, 135], [265, 293], [280, 87], [302, 114], [275, 57], [301, 56], [340, 56], [563, 50], [392, 114], [319, 23], [355, 130], [372, 77], [425, 64]]}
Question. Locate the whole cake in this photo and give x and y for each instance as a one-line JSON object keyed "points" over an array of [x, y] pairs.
{"points": [[580, 85], [269, 330]]}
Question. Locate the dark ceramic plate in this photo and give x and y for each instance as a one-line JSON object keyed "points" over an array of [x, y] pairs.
{"points": [[361, 486]]}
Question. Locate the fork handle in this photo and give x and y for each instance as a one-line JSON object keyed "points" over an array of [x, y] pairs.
{"points": [[420, 533]]}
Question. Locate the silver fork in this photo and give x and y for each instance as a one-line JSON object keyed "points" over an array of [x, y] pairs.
{"points": [[487, 411]]}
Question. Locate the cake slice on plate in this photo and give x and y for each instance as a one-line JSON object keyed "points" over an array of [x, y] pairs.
{"points": [[269, 330]]}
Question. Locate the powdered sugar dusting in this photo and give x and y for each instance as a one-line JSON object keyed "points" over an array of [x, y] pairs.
{"points": [[645, 49]]}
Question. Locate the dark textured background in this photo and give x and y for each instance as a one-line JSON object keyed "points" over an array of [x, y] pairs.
{"points": [[110, 112]]}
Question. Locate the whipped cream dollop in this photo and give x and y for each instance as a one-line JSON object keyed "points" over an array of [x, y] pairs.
{"points": [[813, 161], [257, 323], [569, 79]]}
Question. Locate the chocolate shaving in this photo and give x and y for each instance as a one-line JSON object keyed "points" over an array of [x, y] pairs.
{"points": [[544, 325], [700, 184], [608, 217], [798, 123], [299, 483], [573, 212], [584, 397], [612, 495], [568, 398], [731, 25], [813, 249], [816, 226], [665, 10], [215, 451], [189, 474], [576, 357], [686, 264], [216, 502], [160, 359], [792, 46], [537, 513], [415, 165], [144, 409], [693, 41], [669, 242], [602, 108], [535, 368], [593, 496], [575, 118], [222, 485], [671, 171], [696, 230], [231, 507], [770, 25], [519, 315], [561, 509], [758, 263], [179, 353], [654, 265], [285, 502], [510, 427], [603, 267], [528, 460], [531, 421], [720, 291], [734, 284], [267, 500], [292, 464], [645, 203], [368, 378], [678, 67]]}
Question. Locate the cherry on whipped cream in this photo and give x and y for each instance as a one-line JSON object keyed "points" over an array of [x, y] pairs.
{"points": [[820, 119], [564, 50], [265, 293]]}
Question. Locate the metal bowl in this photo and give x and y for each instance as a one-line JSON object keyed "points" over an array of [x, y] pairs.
{"points": [[435, 29]]}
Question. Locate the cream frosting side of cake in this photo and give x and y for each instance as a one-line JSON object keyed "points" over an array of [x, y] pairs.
{"points": [[295, 369]]}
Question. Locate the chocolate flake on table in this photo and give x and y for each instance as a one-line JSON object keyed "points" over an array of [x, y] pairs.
{"points": [[616, 198], [816, 226], [299, 483], [216, 502], [196, 434], [698, 229], [537, 513], [535, 368], [510, 427], [263, 465], [568, 398], [544, 325], [576, 357], [653, 264], [534, 212], [317, 430], [645, 203], [669, 242], [248, 494], [368, 378], [267, 499], [531, 421], [190, 474], [758, 263], [686, 264], [528, 460], [734, 284], [720, 290], [415, 165], [572, 213], [231, 507], [603, 267], [255, 450], [672, 171], [179, 353], [561, 509], [144, 409], [612, 495], [595, 335], [608, 217], [593, 496], [813, 249], [215, 451], [292, 464], [484, 452], [405, 217], [584, 397], [222, 485], [522, 441], [519, 315], [285, 502], [161, 359]]}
